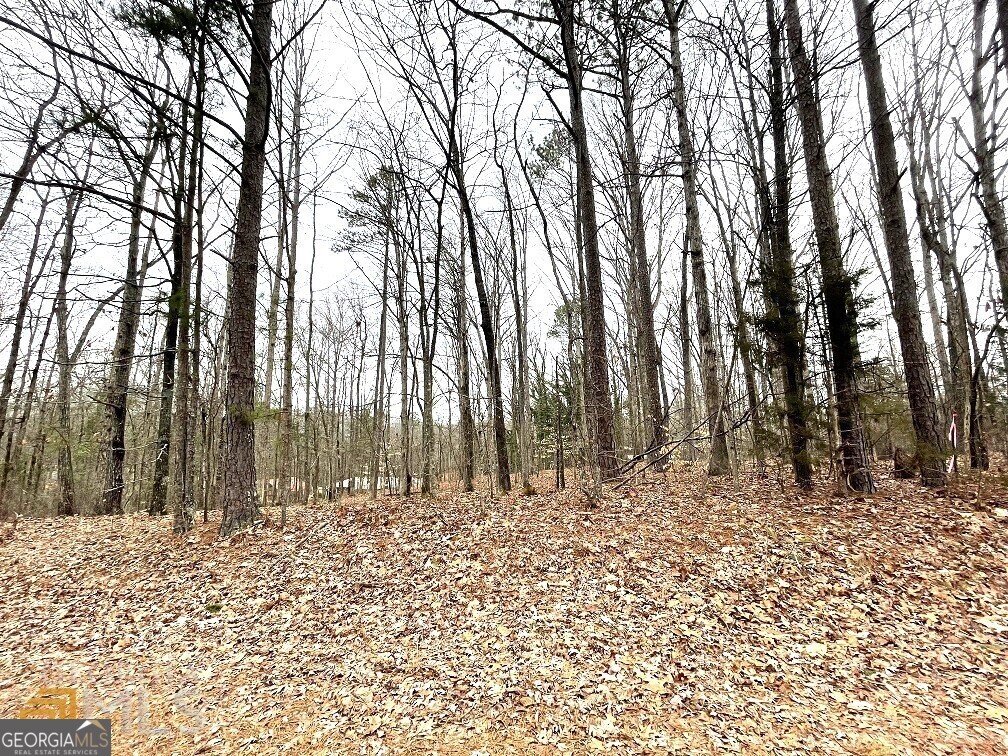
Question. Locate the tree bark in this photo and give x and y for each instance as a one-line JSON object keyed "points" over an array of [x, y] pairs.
{"points": [[920, 390], [125, 345], [503, 465], [67, 497], [404, 364], [640, 266], [293, 202], [688, 449], [719, 462], [519, 298], [467, 433], [378, 412], [598, 401], [239, 490], [837, 286], [984, 140], [182, 494], [745, 352], [162, 462]]}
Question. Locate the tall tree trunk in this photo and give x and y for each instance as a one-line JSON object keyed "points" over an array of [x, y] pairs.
{"points": [[979, 457], [67, 497], [689, 450], [287, 449], [306, 459], [273, 321], [467, 431], [837, 286], [640, 266], [598, 402], [159, 489], [560, 461], [519, 299], [719, 461], [162, 461], [198, 409], [405, 487], [239, 489], [125, 345], [920, 390], [182, 504], [427, 425], [378, 414], [783, 319], [430, 319]]}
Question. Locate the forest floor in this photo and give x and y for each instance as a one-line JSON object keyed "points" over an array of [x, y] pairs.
{"points": [[683, 616]]}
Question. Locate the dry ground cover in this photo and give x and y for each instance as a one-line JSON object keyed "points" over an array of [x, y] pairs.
{"points": [[684, 616]]}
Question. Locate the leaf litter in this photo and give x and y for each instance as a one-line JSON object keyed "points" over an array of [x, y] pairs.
{"points": [[684, 616]]}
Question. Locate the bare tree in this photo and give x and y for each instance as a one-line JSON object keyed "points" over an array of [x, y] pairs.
{"points": [[719, 462], [837, 287], [920, 390]]}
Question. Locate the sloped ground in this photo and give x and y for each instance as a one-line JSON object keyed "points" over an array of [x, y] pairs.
{"points": [[681, 617]]}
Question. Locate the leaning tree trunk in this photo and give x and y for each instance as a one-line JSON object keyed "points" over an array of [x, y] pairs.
{"points": [[35, 148], [983, 150], [719, 461], [837, 286], [239, 498], [745, 352], [920, 390], [503, 465], [27, 288], [14, 444]]}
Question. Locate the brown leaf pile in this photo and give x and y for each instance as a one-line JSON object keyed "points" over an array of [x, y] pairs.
{"points": [[685, 616]]}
